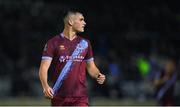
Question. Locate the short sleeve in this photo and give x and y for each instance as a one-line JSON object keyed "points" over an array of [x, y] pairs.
{"points": [[48, 51], [89, 55]]}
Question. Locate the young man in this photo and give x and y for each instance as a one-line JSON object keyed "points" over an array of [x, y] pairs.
{"points": [[71, 55]]}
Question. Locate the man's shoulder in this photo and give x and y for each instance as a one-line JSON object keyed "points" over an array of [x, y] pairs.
{"points": [[54, 38], [83, 38]]}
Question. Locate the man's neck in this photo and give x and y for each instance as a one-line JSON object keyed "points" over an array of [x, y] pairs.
{"points": [[69, 34]]}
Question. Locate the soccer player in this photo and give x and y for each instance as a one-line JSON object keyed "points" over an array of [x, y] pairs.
{"points": [[165, 84], [72, 56]]}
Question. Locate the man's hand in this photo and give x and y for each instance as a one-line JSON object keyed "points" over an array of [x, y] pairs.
{"points": [[101, 78], [48, 92]]}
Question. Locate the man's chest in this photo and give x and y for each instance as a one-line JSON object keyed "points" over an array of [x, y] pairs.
{"points": [[70, 52]]}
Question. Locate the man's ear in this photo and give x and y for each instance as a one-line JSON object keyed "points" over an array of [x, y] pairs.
{"points": [[70, 22]]}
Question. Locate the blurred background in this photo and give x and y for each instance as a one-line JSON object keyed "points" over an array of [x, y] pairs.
{"points": [[131, 40]]}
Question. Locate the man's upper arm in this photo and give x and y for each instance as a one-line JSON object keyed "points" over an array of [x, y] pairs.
{"points": [[48, 54], [90, 64], [45, 65], [91, 67]]}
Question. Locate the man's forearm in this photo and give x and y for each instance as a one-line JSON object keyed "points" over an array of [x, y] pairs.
{"points": [[94, 72], [43, 72], [43, 78]]}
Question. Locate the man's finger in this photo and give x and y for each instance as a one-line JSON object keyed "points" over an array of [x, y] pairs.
{"points": [[48, 94], [52, 92]]}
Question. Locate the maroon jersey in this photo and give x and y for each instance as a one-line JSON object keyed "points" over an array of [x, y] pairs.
{"points": [[60, 50]]}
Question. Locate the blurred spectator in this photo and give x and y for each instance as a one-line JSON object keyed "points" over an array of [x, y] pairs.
{"points": [[164, 84], [114, 75], [143, 66]]}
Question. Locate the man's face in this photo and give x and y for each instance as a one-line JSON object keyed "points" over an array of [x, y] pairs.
{"points": [[169, 67], [78, 22]]}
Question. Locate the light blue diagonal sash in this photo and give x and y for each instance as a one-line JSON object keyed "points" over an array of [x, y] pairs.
{"points": [[166, 86], [78, 50]]}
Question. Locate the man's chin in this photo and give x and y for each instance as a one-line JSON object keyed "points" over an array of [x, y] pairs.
{"points": [[80, 31]]}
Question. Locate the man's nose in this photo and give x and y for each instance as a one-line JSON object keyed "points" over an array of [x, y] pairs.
{"points": [[84, 23]]}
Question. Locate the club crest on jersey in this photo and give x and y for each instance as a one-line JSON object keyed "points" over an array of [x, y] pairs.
{"points": [[61, 47]]}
